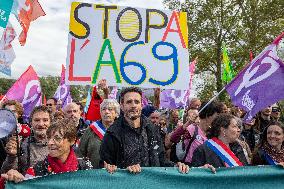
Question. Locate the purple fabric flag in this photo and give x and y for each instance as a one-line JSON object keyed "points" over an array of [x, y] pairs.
{"points": [[113, 93], [27, 91], [68, 100], [173, 98], [63, 90], [260, 84], [144, 100]]}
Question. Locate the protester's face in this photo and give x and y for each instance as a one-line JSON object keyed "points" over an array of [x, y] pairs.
{"points": [[51, 105], [108, 114], [72, 111], [265, 113], [231, 133], [40, 123], [132, 105], [224, 109], [195, 104], [58, 146], [192, 116], [175, 117], [162, 123], [154, 118], [12, 108], [276, 112], [275, 135]]}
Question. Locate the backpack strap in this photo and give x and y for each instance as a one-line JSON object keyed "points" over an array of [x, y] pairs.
{"points": [[190, 142]]}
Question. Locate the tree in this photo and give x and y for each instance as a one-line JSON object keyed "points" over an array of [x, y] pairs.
{"points": [[240, 24], [5, 85]]}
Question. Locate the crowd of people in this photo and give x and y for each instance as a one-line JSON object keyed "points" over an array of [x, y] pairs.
{"points": [[130, 136]]}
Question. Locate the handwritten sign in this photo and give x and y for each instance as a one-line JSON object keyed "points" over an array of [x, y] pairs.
{"points": [[127, 46]]}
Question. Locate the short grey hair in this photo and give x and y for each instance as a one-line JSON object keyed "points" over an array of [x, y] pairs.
{"points": [[110, 103]]}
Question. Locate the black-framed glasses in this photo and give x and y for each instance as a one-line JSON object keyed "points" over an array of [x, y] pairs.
{"points": [[276, 109]]}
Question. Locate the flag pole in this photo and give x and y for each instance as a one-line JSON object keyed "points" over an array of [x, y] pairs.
{"points": [[211, 100]]}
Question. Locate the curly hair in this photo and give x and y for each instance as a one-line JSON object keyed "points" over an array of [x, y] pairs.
{"points": [[222, 120], [18, 106], [40, 109], [66, 127]]}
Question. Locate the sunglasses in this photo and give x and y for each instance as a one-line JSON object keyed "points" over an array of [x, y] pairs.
{"points": [[162, 124], [276, 109], [49, 104]]}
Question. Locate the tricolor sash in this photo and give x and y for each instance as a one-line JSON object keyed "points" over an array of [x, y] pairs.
{"points": [[98, 128], [223, 152], [269, 159]]}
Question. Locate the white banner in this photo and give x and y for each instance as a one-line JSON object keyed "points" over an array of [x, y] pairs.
{"points": [[127, 46]]}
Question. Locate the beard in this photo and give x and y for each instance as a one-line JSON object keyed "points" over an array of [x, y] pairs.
{"points": [[133, 115], [41, 133]]}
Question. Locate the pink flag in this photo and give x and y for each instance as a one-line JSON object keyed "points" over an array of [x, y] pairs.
{"points": [[28, 11], [27, 91], [191, 70]]}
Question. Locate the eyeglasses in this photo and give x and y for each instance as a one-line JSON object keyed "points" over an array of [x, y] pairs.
{"points": [[276, 109], [56, 139]]}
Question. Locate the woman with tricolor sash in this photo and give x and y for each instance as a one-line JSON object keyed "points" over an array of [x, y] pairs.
{"points": [[91, 140], [271, 149], [221, 149]]}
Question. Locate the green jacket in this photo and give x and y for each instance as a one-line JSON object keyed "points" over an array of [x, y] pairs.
{"points": [[90, 146]]}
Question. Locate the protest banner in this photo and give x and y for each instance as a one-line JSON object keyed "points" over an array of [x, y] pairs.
{"points": [[127, 46], [252, 177]]}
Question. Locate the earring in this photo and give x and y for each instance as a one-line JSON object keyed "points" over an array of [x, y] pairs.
{"points": [[224, 134]]}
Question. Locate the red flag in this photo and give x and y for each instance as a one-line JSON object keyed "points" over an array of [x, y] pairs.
{"points": [[44, 100], [250, 55], [29, 10], [93, 113]]}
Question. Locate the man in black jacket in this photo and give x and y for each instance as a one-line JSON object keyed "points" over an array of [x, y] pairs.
{"points": [[133, 141]]}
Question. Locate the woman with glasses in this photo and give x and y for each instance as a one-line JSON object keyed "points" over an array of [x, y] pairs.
{"points": [[271, 149], [61, 157]]}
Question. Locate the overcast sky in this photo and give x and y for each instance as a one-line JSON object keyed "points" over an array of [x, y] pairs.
{"points": [[46, 45]]}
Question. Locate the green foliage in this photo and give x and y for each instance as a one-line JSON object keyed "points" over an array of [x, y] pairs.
{"points": [[49, 85], [5, 85], [241, 24]]}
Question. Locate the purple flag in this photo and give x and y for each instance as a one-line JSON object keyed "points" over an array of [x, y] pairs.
{"points": [[144, 100], [260, 84], [68, 100], [113, 93], [173, 98], [27, 91], [63, 90]]}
